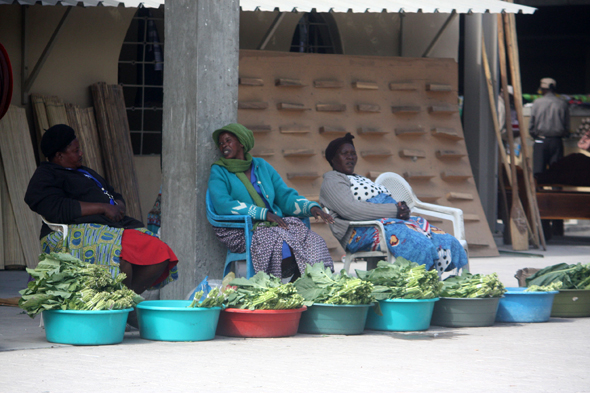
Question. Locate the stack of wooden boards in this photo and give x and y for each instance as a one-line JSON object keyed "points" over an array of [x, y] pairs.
{"points": [[106, 145], [403, 113]]}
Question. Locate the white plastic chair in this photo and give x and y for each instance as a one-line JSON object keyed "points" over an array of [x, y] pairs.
{"points": [[402, 191], [63, 228]]}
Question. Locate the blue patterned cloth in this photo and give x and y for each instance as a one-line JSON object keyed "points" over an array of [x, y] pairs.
{"points": [[415, 240]]}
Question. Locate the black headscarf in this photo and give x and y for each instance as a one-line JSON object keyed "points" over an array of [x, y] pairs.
{"points": [[56, 138], [335, 145]]}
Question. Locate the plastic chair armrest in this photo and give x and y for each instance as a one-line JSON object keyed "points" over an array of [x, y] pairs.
{"points": [[380, 228]]}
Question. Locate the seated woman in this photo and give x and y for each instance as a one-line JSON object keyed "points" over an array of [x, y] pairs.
{"points": [[63, 191], [239, 184], [351, 197]]}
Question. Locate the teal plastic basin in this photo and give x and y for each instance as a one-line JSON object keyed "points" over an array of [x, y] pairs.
{"points": [[465, 312], [334, 319], [525, 307], [402, 315], [77, 327], [171, 320]]}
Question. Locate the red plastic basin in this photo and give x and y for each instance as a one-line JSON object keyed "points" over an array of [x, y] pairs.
{"points": [[235, 322]]}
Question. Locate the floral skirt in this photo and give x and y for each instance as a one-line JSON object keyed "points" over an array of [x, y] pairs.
{"points": [[267, 246], [97, 244]]}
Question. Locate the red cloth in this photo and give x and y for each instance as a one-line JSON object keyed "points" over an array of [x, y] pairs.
{"points": [[140, 248]]}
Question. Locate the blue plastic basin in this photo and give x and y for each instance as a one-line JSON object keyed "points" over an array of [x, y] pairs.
{"points": [[523, 307], [77, 327], [171, 320], [334, 319], [402, 315]]}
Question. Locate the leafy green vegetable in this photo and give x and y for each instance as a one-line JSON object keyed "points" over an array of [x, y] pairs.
{"points": [[63, 282], [575, 276], [263, 292], [402, 280], [215, 298], [469, 285], [555, 286], [320, 285]]}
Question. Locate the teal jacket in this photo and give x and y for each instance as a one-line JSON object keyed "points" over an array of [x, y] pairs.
{"points": [[229, 195]]}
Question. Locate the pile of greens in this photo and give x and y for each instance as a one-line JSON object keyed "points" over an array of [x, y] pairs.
{"points": [[402, 280], [215, 298], [575, 276], [555, 286], [63, 282], [320, 285], [469, 285], [263, 292]]}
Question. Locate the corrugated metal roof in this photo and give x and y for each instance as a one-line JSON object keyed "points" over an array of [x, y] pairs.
{"points": [[425, 6]]}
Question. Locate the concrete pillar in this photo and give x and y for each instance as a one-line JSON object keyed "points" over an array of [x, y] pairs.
{"points": [[477, 121], [200, 95]]}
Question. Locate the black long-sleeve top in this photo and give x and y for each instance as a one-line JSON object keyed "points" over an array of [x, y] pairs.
{"points": [[55, 193]]}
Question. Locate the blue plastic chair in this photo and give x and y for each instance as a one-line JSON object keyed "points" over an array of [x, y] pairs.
{"points": [[237, 221]]}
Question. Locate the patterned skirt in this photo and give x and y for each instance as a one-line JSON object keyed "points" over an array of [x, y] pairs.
{"points": [[97, 244], [267, 246]]}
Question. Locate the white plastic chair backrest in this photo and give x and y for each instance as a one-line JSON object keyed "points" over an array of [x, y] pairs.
{"points": [[398, 187]]}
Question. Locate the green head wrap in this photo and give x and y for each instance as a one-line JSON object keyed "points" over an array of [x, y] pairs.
{"points": [[244, 135]]}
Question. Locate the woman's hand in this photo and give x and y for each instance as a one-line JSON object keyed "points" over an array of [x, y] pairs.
{"points": [[403, 211], [274, 218], [113, 212], [320, 214], [121, 205]]}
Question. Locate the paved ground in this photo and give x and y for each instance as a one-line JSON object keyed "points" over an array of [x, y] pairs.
{"points": [[545, 357]]}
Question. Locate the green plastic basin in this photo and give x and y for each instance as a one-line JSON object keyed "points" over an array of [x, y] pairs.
{"points": [[334, 319], [571, 303], [459, 312]]}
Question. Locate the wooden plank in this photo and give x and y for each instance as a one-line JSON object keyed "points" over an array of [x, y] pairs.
{"points": [[4, 200], [563, 205], [364, 85], [330, 107], [13, 254], [371, 131], [376, 153], [262, 152], [19, 163], [41, 123], [448, 154], [453, 176], [438, 87], [115, 139], [368, 108], [252, 105], [251, 82], [302, 175], [406, 109], [291, 106], [470, 217], [428, 198], [259, 128], [298, 152], [56, 112], [446, 133], [463, 196], [295, 129], [418, 176], [411, 153], [328, 84], [443, 109], [403, 86], [332, 130], [415, 131], [83, 122], [283, 82]]}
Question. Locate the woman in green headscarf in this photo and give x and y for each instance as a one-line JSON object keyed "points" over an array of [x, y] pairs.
{"points": [[239, 184]]}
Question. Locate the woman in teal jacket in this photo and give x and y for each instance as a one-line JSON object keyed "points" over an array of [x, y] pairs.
{"points": [[239, 184]]}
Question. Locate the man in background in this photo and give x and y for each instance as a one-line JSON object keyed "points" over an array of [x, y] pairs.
{"points": [[550, 122]]}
